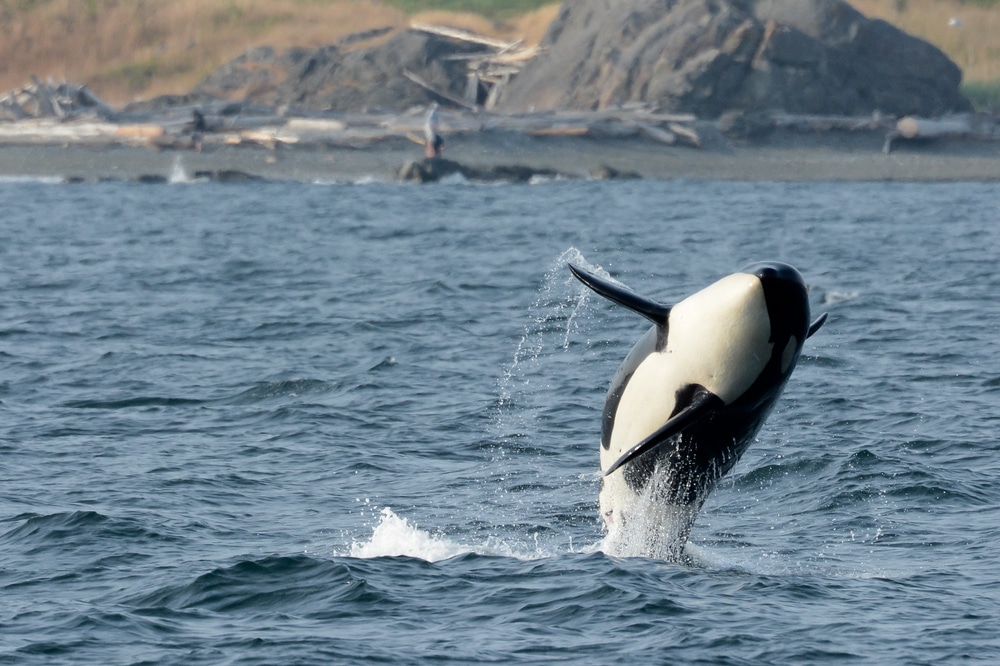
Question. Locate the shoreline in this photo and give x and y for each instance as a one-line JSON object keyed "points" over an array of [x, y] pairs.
{"points": [[783, 155]]}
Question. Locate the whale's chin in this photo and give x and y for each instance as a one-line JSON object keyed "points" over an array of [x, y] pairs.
{"points": [[647, 524], [657, 531]]}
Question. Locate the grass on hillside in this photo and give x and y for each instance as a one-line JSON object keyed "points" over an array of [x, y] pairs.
{"points": [[127, 50], [984, 95], [131, 49], [496, 9]]}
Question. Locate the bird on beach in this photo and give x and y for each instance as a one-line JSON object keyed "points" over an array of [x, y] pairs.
{"points": [[433, 143]]}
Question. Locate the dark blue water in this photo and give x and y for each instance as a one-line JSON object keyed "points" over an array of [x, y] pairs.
{"points": [[292, 423]]}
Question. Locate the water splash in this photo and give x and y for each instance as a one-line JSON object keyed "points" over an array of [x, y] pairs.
{"points": [[552, 320], [652, 526], [178, 174], [454, 179], [396, 537], [835, 297]]}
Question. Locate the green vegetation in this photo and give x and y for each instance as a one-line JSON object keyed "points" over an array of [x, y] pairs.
{"points": [[984, 95], [21, 5], [493, 9]]}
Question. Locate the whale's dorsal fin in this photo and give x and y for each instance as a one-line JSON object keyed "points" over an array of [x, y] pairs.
{"points": [[700, 407], [815, 326], [650, 309]]}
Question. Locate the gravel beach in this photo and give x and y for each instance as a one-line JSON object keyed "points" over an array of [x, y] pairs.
{"points": [[782, 156]]}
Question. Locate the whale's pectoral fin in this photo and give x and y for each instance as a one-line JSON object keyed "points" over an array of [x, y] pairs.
{"points": [[703, 404], [815, 326], [651, 310]]}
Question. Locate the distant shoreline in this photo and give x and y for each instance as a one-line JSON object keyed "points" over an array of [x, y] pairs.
{"points": [[782, 156]]}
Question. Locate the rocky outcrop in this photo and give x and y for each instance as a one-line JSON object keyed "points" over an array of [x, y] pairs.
{"points": [[711, 56], [351, 77], [434, 169]]}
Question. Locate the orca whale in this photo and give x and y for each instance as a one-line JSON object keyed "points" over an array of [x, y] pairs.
{"points": [[690, 396]]}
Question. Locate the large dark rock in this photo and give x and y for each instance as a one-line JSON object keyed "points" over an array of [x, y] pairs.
{"points": [[433, 169], [346, 77], [711, 56]]}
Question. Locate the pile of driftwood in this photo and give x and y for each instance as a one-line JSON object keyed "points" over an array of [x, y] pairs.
{"points": [[360, 131], [52, 100], [491, 70]]}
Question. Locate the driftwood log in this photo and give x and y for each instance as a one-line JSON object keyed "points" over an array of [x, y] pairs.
{"points": [[914, 128], [911, 127]]}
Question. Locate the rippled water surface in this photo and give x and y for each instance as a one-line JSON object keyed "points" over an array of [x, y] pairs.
{"points": [[293, 423]]}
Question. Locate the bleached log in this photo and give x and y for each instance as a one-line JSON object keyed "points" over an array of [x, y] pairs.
{"points": [[270, 138], [472, 88], [511, 47], [496, 91], [686, 133], [140, 131], [657, 134], [464, 35], [559, 130], [315, 125], [52, 131], [520, 55], [912, 127]]}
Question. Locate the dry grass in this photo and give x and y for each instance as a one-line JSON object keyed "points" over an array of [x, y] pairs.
{"points": [[530, 27], [129, 49], [126, 49]]}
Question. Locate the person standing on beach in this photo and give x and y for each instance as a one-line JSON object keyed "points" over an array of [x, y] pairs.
{"points": [[433, 143]]}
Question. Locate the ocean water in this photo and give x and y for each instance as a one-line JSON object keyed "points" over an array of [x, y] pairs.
{"points": [[291, 423]]}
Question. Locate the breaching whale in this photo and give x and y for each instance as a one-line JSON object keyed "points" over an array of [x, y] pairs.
{"points": [[690, 396]]}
